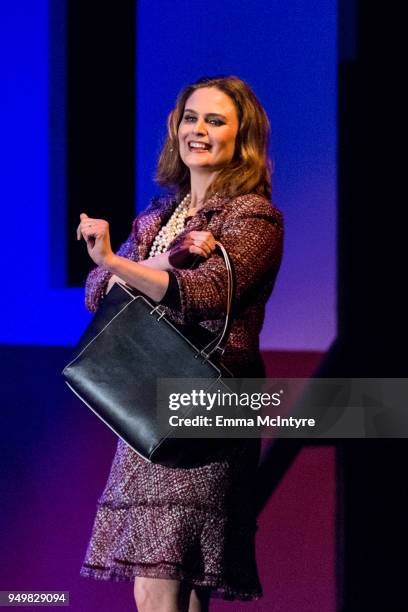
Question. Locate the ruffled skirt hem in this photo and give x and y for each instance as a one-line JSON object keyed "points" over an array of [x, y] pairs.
{"points": [[127, 572]]}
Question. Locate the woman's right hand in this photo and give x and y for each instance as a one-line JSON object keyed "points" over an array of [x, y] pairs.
{"points": [[195, 243]]}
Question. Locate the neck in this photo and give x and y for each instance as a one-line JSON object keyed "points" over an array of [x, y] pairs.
{"points": [[199, 184]]}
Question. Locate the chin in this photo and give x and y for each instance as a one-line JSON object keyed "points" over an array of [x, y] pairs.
{"points": [[200, 166]]}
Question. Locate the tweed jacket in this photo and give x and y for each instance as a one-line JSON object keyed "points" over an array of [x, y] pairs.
{"points": [[251, 230]]}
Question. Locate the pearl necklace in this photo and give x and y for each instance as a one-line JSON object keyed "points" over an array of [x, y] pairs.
{"points": [[173, 227]]}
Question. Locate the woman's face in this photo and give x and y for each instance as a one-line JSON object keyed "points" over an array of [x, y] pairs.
{"points": [[208, 130]]}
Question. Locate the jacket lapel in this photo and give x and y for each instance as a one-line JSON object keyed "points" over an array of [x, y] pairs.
{"points": [[202, 218]]}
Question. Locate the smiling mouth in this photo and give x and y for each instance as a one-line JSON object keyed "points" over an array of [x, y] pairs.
{"points": [[198, 147]]}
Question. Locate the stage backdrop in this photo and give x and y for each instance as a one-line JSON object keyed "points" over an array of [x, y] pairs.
{"points": [[287, 53], [56, 458]]}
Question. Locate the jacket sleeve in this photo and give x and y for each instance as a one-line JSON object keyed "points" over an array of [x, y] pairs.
{"points": [[98, 278], [253, 236]]}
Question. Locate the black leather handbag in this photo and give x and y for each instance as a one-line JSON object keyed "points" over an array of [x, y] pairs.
{"points": [[127, 346]]}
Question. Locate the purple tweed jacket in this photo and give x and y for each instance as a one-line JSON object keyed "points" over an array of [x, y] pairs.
{"points": [[251, 230]]}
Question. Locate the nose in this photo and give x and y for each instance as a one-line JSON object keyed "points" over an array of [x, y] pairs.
{"points": [[199, 126]]}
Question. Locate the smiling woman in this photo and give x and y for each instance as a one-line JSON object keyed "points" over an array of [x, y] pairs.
{"points": [[228, 111], [184, 535], [207, 139]]}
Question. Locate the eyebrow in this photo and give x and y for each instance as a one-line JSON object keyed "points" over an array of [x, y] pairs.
{"points": [[190, 110]]}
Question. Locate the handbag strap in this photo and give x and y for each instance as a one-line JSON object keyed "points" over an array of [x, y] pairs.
{"points": [[219, 342]]}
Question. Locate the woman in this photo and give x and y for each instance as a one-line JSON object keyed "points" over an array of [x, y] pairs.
{"points": [[184, 535]]}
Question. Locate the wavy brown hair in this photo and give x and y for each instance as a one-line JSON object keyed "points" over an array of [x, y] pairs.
{"points": [[250, 169]]}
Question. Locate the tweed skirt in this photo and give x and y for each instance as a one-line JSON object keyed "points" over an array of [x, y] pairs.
{"points": [[195, 525]]}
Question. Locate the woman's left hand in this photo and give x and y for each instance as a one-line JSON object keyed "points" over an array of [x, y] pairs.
{"points": [[195, 243], [95, 232]]}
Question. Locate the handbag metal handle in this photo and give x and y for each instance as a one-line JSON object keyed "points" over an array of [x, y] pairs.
{"points": [[219, 343]]}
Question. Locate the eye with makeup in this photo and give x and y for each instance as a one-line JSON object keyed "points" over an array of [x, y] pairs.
{"points": [[192, 118]]}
